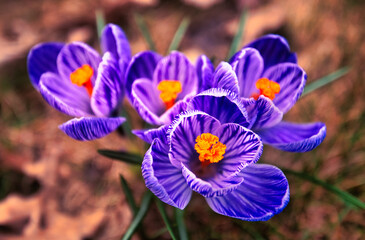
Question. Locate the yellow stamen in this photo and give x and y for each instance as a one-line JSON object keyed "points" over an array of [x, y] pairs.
{"points": [[82, 77], [209, 148], [169, 91], [267, 88]]}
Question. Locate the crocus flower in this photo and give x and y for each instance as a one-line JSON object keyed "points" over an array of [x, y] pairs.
{"points": [[270, 82], [158, 86], [210, 151], [76, 80]]}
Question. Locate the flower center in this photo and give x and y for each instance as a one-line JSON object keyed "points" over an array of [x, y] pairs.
{"points": [[209, 148], [82, 77], [267, 88], [169, 91]]}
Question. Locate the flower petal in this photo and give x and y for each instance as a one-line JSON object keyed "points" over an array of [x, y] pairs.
{"points": [[66, 98], [162, 178], [142, 65], [224, 77], [148, 135], [177, 67], [274, 49], [90, 128], [262, 113], [248, 65], [243, 148], [213, 187], [146, 100], [168, 116], [182, 133], [73, 56], [42, 58], [108, 89], [115, 41], [205, 69], [293, 137], [221, 104], [263, 193], [291, 79]]}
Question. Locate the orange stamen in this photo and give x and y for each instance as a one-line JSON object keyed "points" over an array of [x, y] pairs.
{"points": [[169, 91], [267, 88], [209, 148], [82, 77]]}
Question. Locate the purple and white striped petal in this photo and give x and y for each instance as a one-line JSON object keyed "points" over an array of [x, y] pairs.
{"points": [[162, 178], [114, 40], [73, 56], [215, 186], [42, 58], [205, 69], [224, 77], [69, 99], [182, 133], [90, 128], [179, 107], [142, 65], [244, 147], [291, 79], [221, 104], [248, 65], [293, 137], [263, 193], [146, 100], [108, 90], [148, 135], [262, 113], [274, 49], [177, 67]]}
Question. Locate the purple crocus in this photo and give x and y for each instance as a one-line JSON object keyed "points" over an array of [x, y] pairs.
{"points": [[209, 150], [270, 82], [76, 80], [160, 87]]}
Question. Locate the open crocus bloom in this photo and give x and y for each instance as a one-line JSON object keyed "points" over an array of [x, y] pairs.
{"points": [[270, 82], [158, 87], [75, 80], [210, 151]]}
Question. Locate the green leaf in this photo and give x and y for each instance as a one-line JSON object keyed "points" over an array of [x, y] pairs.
{"points": [[122, 156], [179, 215], [100, 21], [345, 196], [325, 80], [165, 218], [146, 200], [179, 35], [128, 195], [238, 37], [144, 30]]}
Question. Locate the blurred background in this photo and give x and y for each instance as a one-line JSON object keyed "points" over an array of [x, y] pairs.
{"points": [[53, 187]]}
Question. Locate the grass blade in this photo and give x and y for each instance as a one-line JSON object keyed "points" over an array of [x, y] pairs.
{"points": [[100, 21], [180, 32], [122, 156], [325, 80], [238, 37], [179, 215], [128, 194], [146, 200], [165, 218], [345, 196], [144, 30]]}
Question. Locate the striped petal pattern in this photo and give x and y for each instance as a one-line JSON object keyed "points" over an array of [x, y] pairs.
{"points": [[42, 58], [90, 128], [294, 137], [263, 193], [162, 178]]}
